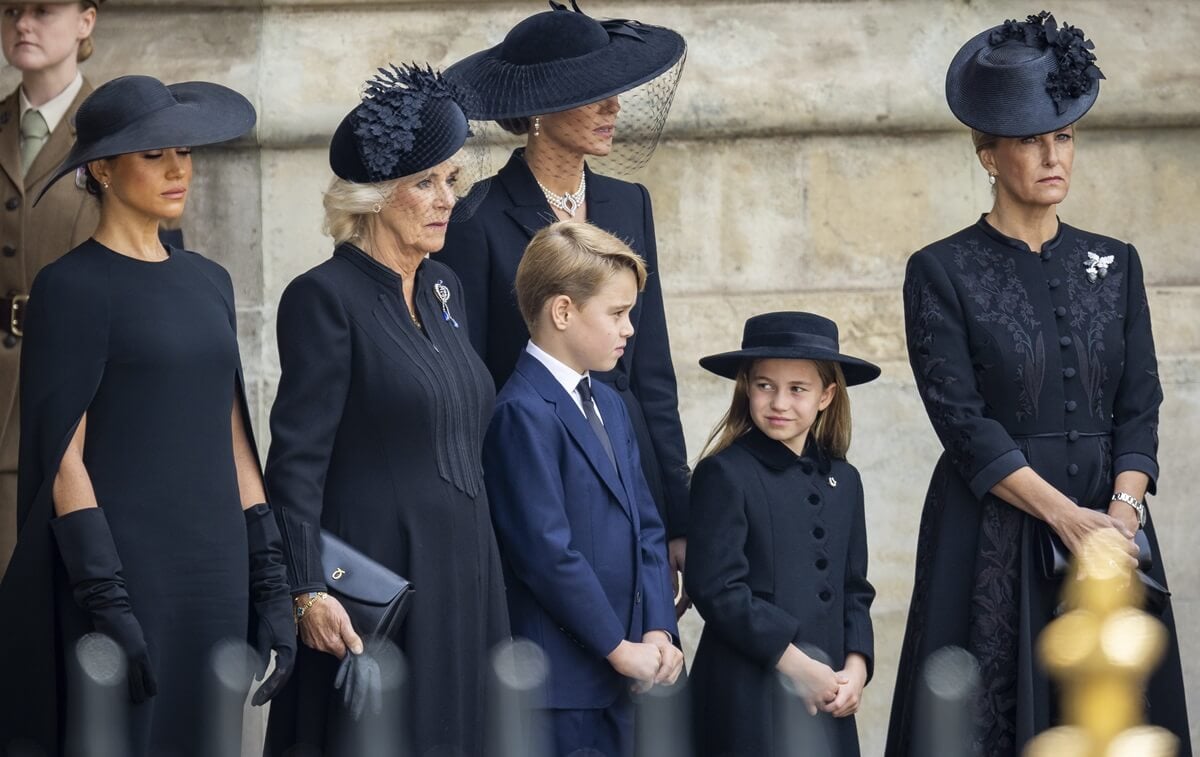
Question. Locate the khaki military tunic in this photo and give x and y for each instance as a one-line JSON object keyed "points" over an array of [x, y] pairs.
{"points": [[29, 239]]}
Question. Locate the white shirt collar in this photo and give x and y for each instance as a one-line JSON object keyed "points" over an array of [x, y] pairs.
{"points": [[562, 373], [55, 109]]}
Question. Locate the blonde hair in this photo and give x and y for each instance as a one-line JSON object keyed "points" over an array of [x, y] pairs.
{"points": [[349, 207], [571, 258], [831, 431], [982, 140]]}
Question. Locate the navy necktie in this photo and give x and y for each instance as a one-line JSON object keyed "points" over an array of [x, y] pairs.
{"points": [[593, 418]]}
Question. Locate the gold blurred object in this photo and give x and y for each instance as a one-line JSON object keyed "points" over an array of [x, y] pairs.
{"points": [[1101, 652]]}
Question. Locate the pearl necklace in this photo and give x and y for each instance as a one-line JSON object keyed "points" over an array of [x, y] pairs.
{"points": [[569, 202]]}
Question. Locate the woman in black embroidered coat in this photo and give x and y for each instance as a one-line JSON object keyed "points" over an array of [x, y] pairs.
{"points": [[377, 432], [1031, 346]]}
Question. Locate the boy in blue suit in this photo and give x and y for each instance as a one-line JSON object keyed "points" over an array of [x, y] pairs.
{"points": [[584, 549]]}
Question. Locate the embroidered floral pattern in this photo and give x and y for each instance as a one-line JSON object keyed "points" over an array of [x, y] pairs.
{"points": [[991, 281], [1094, 304]]}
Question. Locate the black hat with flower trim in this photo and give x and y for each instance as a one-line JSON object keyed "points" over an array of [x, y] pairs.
{"points": [[1023, 78]]}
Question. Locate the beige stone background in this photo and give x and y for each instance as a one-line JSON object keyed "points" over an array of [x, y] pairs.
{"points": [[808, 154]]}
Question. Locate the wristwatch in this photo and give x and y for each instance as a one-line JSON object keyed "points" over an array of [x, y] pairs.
{"points": [[1138, 506]]}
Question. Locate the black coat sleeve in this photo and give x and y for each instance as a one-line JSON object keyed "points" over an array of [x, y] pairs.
{"points": [[979, 447], [859, 593], [1139, 393], [718, 571], [466, 253], [653, 382], [314, 357]]}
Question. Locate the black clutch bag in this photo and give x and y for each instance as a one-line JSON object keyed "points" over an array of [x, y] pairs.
{"points": [[375, 598], [1056, 559]]}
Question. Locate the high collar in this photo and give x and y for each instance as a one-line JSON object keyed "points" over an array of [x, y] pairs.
{"points": [[372, 267], [993, 233], [777, 455]]}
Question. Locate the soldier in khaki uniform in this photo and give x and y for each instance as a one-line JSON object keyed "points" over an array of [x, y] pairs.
{"points": [[45, 41]]}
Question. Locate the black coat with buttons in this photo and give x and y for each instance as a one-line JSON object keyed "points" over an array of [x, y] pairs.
{"points": [[777, 555], [1043, 360]]}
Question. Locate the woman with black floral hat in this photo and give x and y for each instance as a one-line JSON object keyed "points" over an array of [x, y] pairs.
{"points": [[377, 435], [1031, 346], [578, 89]]}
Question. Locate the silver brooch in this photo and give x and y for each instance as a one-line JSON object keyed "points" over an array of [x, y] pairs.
{"points": [[442, 292], [833, 482], [1097, 266]]}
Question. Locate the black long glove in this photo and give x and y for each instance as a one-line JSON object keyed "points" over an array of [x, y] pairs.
{"points": [[94, 572], [276, 628]]}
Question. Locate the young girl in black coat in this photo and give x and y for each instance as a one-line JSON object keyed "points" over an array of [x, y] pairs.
{"points": [[777, 558]]}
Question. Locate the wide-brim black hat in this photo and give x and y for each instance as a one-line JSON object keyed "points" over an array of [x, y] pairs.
{"points": [[409, 120], [560, 59], [790, 336], [1023, 78], [140, 113]]}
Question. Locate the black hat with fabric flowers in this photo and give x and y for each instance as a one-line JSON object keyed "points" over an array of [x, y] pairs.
{"points": [[790, 336], [1023, 78], [410, 120], [558, 60]]}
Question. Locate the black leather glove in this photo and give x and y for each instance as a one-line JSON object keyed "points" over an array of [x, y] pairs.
{"points": [[94, 572], [359, 680], [272, 598]]}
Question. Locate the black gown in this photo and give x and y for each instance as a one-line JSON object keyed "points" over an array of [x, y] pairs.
{"points": [[377, 432], [149, 351], [1022, 359]]}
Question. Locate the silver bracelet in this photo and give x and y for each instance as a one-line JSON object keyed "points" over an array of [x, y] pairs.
{"points": [[1138, 506]]}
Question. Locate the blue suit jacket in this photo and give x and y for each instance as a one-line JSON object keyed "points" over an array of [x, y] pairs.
{"points": [[583, 546]]}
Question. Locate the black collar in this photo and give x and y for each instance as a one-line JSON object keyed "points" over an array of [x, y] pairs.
{"points": [[372, 267], [779, 456], [993, 233]]}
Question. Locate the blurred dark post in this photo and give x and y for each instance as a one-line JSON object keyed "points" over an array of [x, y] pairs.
{"points": [[663, 723], [227, 682], [945, 706], [98, 711], [516, 696], [382, 731], [798, 734]]}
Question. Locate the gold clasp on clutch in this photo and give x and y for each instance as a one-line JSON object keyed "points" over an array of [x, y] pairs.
{"points": [[337, 574]]}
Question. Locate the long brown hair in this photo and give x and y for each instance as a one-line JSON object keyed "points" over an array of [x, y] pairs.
{"points": [[831, 430]]}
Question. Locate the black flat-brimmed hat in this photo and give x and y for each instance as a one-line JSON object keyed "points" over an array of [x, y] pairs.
{"points": [[410, 119], [1023, 78], [558, 60], [790, 336], [140, 113]]}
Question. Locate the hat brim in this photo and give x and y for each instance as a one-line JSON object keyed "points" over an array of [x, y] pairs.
{"points": [[1004, 113], [204, 114], [727, 364], [504, 90]]}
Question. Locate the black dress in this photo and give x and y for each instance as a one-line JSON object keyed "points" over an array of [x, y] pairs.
{"points": [[485, 251], [377, 432], [777, 555], [149, 351], [1022, 359]]}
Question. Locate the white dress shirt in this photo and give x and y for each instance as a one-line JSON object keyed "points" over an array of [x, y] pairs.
{"points": [[563, 374]]}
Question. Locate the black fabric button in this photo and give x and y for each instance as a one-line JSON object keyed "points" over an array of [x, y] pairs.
{"points": [[807, 468], [1060, 311], [822, 563], [1072, 436], [1072, 469], [825, 595], [9, 250], [622, 383], [818, 533], [1071, 405], [10, 341], [814, 499], [1054, 283], [1069, 372], [1065, 341], [13, 203], [1047, 254]]}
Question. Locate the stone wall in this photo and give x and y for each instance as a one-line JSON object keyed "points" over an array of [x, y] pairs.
{"points": [[809, 153]]}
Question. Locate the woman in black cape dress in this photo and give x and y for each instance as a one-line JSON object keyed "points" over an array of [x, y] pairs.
{"points": [[1036, 365]]}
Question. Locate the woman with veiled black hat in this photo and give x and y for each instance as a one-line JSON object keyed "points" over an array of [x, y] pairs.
{"points": [[578, 89], [1031, 346], [377, 433], [141, 508]]}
